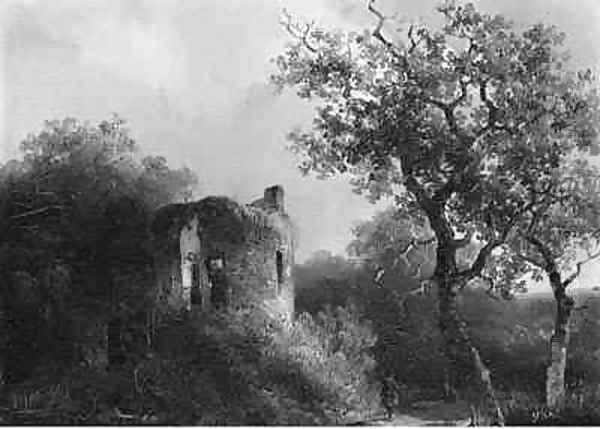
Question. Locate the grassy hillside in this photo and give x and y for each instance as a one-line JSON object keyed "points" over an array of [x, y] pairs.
{"points": [[216, 369]]}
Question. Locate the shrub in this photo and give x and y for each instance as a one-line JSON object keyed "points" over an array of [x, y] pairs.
{"points": [[237, 367], [580, 409], [332, 353]]}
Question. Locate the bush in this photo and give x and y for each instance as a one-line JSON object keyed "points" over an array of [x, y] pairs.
{"points": [[318, 364], [333, 353], [580, 409], [75, 211], [237, 367]]}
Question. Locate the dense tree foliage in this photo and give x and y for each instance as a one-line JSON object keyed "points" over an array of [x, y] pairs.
{"points": [[75, 211], [511, 334], [557, 237], [76, 264], [453, 122]]}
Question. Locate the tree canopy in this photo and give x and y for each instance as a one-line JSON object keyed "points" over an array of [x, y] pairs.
{"points": [[465, 125], [74, 217], [450, 121]]}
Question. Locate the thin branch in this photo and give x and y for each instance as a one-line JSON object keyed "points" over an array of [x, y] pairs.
{"points": [[378, 278], [484, 253], [437, 103], [480, 261], [544, 251], [468, 167], [413, 43], [415, 188], [492, 109], [121, 415], [425, 242], [449, 107], [32, 212], [492, 122], [573, 276], [379, 36], [531, 260], [295, 31], [464, 86], [422, 290], [29, 227]]}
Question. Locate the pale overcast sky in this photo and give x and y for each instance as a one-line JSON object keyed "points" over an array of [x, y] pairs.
{"points": [[190, 77]]}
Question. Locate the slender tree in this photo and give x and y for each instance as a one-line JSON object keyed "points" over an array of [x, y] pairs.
{"points": [[440, 119], [559, 234]]}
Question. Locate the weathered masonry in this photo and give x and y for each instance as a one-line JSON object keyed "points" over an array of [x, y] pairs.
{"points": [[215, 253]]}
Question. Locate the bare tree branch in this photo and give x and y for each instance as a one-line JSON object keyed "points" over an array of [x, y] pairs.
{"points": [[393, 49], [464, 86], [492, 109], [413, 43], [447, 108], [413, 186], [544, 251], [31, 212], [531, 260], [481, 259], [576, 274], [437, 103], [295, 30]]}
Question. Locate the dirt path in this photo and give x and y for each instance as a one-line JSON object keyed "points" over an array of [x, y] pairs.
{"points": [[428, 414]]}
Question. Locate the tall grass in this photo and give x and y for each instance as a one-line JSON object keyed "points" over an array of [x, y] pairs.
{"points": [[233, 368]]}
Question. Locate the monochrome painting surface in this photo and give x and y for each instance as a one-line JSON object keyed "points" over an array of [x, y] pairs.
{"points": [[286, 212]]}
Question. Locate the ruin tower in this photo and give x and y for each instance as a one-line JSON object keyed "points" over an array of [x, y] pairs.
{"points": [[216, 252]]}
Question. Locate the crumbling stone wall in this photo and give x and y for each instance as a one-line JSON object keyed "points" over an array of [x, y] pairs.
{"points": [[190, 254], [253, 243]]}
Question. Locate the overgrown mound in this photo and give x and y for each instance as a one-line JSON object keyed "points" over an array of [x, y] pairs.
{"points": [[220, 369]]}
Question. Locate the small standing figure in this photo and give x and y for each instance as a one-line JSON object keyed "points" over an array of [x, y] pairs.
{"points": [[390, 396]]}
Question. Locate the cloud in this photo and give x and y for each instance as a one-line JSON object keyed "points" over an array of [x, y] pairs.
{"points": [[138, 51], [135, 43], [190, 76]]}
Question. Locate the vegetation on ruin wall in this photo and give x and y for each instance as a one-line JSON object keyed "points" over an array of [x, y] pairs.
{"points": [[223, 223], [245, 236], [77, 252]]}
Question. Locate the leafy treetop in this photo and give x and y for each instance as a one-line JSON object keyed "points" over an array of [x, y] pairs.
{"points": [[462, 124]]}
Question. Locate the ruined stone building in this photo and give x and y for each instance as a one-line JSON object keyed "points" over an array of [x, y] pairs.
{"points": [[215, 252]]}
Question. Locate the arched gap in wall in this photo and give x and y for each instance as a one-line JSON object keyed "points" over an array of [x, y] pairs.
{"points": [[279, 264]]}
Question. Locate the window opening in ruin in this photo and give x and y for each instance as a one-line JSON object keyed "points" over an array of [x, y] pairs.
{"points": [[196, 297], [279, 262], [219, 288]]}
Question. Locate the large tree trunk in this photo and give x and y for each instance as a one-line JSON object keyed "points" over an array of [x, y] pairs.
{"points": [[465, 357], [555, 375]]}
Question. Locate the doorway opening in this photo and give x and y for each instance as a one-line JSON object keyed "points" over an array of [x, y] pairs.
{"points": [[279, 264]]}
